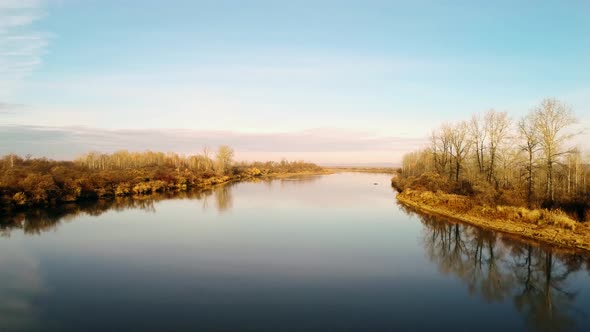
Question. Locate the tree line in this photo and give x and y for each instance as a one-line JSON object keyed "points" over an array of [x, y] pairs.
{"points": [[529, 161], [27, 181]]}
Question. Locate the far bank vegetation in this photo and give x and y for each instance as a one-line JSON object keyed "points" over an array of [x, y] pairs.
{"points": [[30, 181], [498, 167]]}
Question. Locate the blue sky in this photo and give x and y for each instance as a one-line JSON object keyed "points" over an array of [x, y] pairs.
{"points": [[332, 81]]}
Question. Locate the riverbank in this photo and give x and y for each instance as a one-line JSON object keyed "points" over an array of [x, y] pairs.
{"points": [[156, 187], [40, 182], [544, 226]]}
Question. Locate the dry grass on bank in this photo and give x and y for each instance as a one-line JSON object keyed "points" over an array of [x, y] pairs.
{"points": [[465, 206], [549, 226]]}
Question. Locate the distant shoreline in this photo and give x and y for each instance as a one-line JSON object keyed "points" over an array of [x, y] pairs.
{"points": [[377, 170]]}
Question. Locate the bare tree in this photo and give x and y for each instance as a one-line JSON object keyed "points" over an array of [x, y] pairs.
{"points": [[478, 134], [440, 146], [551, 117], [497, 126], [460, 146], [573, 169], [224, 158], [446, 135], [533, 160], [207, 155], [530, 145], [417, 163]]}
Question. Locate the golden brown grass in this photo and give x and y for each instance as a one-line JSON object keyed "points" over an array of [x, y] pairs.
{"points": [[552, 226]]}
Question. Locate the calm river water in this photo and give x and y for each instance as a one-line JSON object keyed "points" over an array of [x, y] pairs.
{"points": [[322, 253]]}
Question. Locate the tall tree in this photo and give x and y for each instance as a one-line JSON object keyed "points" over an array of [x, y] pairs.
{"points": [[478, 134], [551, 118], [224, 159], [497, 126], [530, 145], [460, 146], [440, 146]]}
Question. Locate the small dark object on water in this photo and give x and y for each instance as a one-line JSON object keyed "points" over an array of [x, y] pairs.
{"points": [[375, 183]]}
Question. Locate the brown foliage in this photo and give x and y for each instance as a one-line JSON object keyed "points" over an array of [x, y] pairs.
{"points": [[40, 181]]}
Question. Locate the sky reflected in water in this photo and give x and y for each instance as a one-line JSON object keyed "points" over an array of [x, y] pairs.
{"points": [[322, 253]]}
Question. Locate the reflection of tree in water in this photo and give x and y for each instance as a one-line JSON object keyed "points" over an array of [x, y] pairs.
{"points": [[223, 197], [471, 254], [542, 296], [36, 221], [499, 268]]}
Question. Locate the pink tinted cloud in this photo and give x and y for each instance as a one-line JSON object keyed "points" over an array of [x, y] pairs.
{"points": [[323, 145]]}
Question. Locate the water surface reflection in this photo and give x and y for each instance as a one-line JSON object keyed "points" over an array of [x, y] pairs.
{"points": [[500, 268], [38, 220], [323, 253]]}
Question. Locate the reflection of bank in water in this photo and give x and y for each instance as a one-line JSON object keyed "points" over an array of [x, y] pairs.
{"points": [[297, 180], [21, 284], [37, 220], [499, 269], [223, 197], [306, 178]]}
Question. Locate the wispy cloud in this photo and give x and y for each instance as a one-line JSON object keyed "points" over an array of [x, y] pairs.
{"points": [[321, 145], [21, 47], [318, 145], [6, 108]]}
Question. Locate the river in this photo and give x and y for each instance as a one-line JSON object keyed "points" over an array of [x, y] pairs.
{"points": [[317, 253]]}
